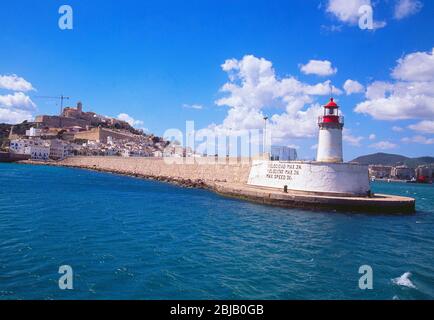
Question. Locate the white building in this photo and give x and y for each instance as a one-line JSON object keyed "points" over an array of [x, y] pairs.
{"points": [[38, 151], [157, 154], [33, 132], [126, 153], [58, 150], [174, 150], [18, 146], [282, 153], [110, 141]]}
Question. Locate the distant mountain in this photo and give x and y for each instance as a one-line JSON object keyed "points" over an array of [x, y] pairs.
{"points": [[388, 159]]}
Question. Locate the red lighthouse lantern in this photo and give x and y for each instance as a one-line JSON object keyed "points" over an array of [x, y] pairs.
{"points": [[331, 114]]}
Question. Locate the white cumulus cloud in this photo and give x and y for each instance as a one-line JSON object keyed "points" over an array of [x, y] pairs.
{"points": [[346, 10], [15, 83], [318, 67], [353, 86], [254, 87], [15, 108], [411, 96], [14, 116], [350, 11], [18, 100], [418, 139], [383, 145], [417, 66], [405, 8], [132, 122], [425, 126], [351, 139], [192, 106]]}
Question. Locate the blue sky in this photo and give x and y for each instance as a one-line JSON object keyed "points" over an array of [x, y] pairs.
{"points": [[154, 60]]}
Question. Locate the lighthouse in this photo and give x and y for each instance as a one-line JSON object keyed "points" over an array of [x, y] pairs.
{"points": [[331, 125]]}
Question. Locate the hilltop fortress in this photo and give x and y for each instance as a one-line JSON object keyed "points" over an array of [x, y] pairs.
{"points": [[76, 117]]}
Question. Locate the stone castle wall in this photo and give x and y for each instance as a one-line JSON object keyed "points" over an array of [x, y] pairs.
{"points": [[60, 122], [101, 135], [92, 135]]}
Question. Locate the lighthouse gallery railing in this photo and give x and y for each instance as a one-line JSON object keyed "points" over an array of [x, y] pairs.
{"points": [[331, 119]]}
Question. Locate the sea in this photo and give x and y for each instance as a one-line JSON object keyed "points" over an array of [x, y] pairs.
{"points": [[128, 238]]}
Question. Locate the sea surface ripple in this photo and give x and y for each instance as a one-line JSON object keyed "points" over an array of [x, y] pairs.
{"points": [[128, 238]]}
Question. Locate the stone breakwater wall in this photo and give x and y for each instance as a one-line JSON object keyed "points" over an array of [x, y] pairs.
{"points": [[230, 179], [203, 174]]}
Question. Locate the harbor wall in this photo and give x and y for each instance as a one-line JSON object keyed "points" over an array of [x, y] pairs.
{"points": [[320, 177], [231, 179], [207, 171]]}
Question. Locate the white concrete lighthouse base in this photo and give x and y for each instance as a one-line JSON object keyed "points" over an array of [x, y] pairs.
{"points": [[330, 145], [329, 178]]}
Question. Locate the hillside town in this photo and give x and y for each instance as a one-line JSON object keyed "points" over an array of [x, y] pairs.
{"points": [[76, 132]]}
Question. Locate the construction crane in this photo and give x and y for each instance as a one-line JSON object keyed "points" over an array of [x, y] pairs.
{"points": [[61, 98]]}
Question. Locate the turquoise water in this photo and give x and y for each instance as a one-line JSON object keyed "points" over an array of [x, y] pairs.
{"points": [[127, 238]]}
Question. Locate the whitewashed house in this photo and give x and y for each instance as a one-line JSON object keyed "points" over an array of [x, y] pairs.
{"points": [[58, 150], [38, 151], [18, 146], [33, 132]]}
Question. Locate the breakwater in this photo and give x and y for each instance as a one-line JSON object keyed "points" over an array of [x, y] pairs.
{"points": [[204, 173], [230, 177]]}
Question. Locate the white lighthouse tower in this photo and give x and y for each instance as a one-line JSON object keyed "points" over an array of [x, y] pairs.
{"points": [[329, 175], [331, 125]]}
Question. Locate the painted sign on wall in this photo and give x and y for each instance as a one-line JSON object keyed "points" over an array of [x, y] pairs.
{"points": [[311, 176]]}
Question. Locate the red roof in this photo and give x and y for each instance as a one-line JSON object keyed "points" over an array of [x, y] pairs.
{"points": [[331, 104]]}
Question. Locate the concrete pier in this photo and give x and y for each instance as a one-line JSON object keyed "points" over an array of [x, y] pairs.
{"points": [[377, 203]]}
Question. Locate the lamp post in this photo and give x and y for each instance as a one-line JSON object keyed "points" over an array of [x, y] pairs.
{"points": [[265, 134], [228, 142]]}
